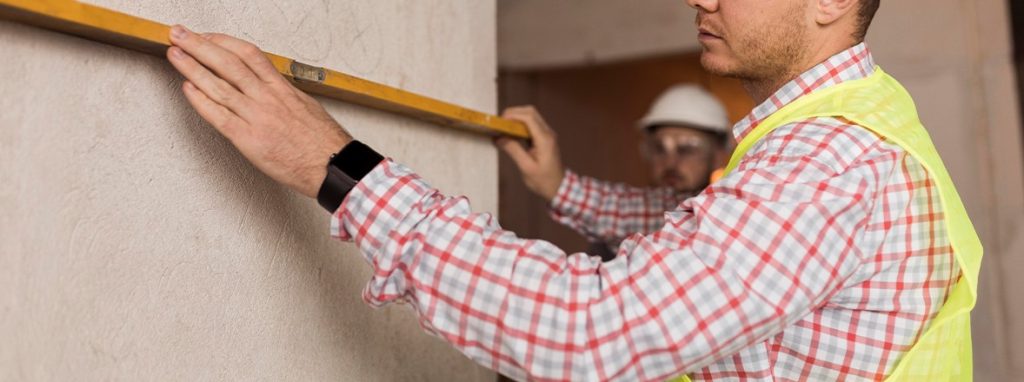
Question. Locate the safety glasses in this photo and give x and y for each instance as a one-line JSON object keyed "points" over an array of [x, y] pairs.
{"points": [[674, 147]]}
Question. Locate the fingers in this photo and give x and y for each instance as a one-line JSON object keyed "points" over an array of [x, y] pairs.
{"points": [[540, 133], [212, 86], [221, 61], [541, 166], [516, 151], [217, 115], [250, 54]]}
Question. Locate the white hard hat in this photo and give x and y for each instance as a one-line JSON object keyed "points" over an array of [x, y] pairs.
{"points": [[687, 105]]}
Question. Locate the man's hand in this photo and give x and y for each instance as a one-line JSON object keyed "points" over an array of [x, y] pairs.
{"points": [[541, 164], [284, 132]]}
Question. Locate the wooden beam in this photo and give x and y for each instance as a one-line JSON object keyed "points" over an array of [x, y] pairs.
{"points": [[123, 30]]}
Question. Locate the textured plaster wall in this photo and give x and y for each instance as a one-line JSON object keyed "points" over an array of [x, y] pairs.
{"points": [[545, 33], [957, 63], [136, 244]]}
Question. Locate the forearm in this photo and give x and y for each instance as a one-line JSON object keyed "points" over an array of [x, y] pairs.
{"points": [[610, 212], [473, 284], [679, 299]]}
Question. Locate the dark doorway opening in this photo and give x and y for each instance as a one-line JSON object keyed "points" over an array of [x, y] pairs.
{"points": [[1017, 23], [594, 108]]}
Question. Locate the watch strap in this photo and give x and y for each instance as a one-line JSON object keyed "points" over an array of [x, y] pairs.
{"points": [[344, 170]]}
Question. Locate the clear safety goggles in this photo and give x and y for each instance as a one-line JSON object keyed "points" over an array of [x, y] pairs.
{"points": [[674, 148]]}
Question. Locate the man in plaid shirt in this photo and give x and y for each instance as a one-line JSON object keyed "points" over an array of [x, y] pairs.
{"points": [[821, 257], [686, 140]]}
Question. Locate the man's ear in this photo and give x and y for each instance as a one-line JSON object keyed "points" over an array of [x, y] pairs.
{"points": [[830, 11]]}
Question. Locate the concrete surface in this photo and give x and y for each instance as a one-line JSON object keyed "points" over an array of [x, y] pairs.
{"points": [[136, 244], [545, 33]]}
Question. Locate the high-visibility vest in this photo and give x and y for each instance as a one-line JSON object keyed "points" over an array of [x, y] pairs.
{"points": [[880, 104]]}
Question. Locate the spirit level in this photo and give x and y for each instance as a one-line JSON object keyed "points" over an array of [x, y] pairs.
{"points": [[127, 31]]}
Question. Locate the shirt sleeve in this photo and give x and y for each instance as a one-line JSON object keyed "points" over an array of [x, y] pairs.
{"points": [[731, 267], [608, 212]]}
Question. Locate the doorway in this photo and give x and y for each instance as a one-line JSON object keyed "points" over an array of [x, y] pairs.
{"points": [[594, 110], [1017, 23]]}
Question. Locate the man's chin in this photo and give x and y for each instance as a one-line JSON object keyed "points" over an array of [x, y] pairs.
{"points": [[715, 64]]}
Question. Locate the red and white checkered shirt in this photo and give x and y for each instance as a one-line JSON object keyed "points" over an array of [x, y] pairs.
{"points": [[606, 213], [821, 257]]}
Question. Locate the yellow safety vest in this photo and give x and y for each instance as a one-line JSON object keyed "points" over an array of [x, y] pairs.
{"points": [[880, 104]]}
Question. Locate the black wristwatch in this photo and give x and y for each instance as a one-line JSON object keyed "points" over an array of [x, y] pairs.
{"points": [[344, 170]]}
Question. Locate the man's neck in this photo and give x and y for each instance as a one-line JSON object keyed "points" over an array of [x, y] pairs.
{"points": [[760, 89]]}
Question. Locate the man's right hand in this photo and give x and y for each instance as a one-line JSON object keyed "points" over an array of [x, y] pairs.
{"points": [[284, 132], [540, 164]]}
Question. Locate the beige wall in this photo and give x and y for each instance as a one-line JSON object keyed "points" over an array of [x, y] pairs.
{"points": [[953, 55], [545, 33], [136, 244]]}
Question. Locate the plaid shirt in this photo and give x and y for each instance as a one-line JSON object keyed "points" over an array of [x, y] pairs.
{"points": [[821, 257], [606, 213]]}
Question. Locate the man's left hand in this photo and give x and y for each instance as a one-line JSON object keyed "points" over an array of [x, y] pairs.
{"points": [[284, 132]]}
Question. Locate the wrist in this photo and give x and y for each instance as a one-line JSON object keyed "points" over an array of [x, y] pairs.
{"points": [[318, 159], [343, 171], [550, 190]]}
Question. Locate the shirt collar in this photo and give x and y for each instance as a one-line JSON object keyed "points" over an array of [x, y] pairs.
{"points": [[851, 64]]}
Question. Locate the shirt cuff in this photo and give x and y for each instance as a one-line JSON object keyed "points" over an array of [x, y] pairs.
{"points": [[364, 200], [566, 203]]}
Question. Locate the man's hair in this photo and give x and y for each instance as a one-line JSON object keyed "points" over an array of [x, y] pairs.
{"points": [[864, 16]]}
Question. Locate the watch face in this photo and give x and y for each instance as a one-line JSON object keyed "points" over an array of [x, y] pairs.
{"points": [[356, 159]]}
